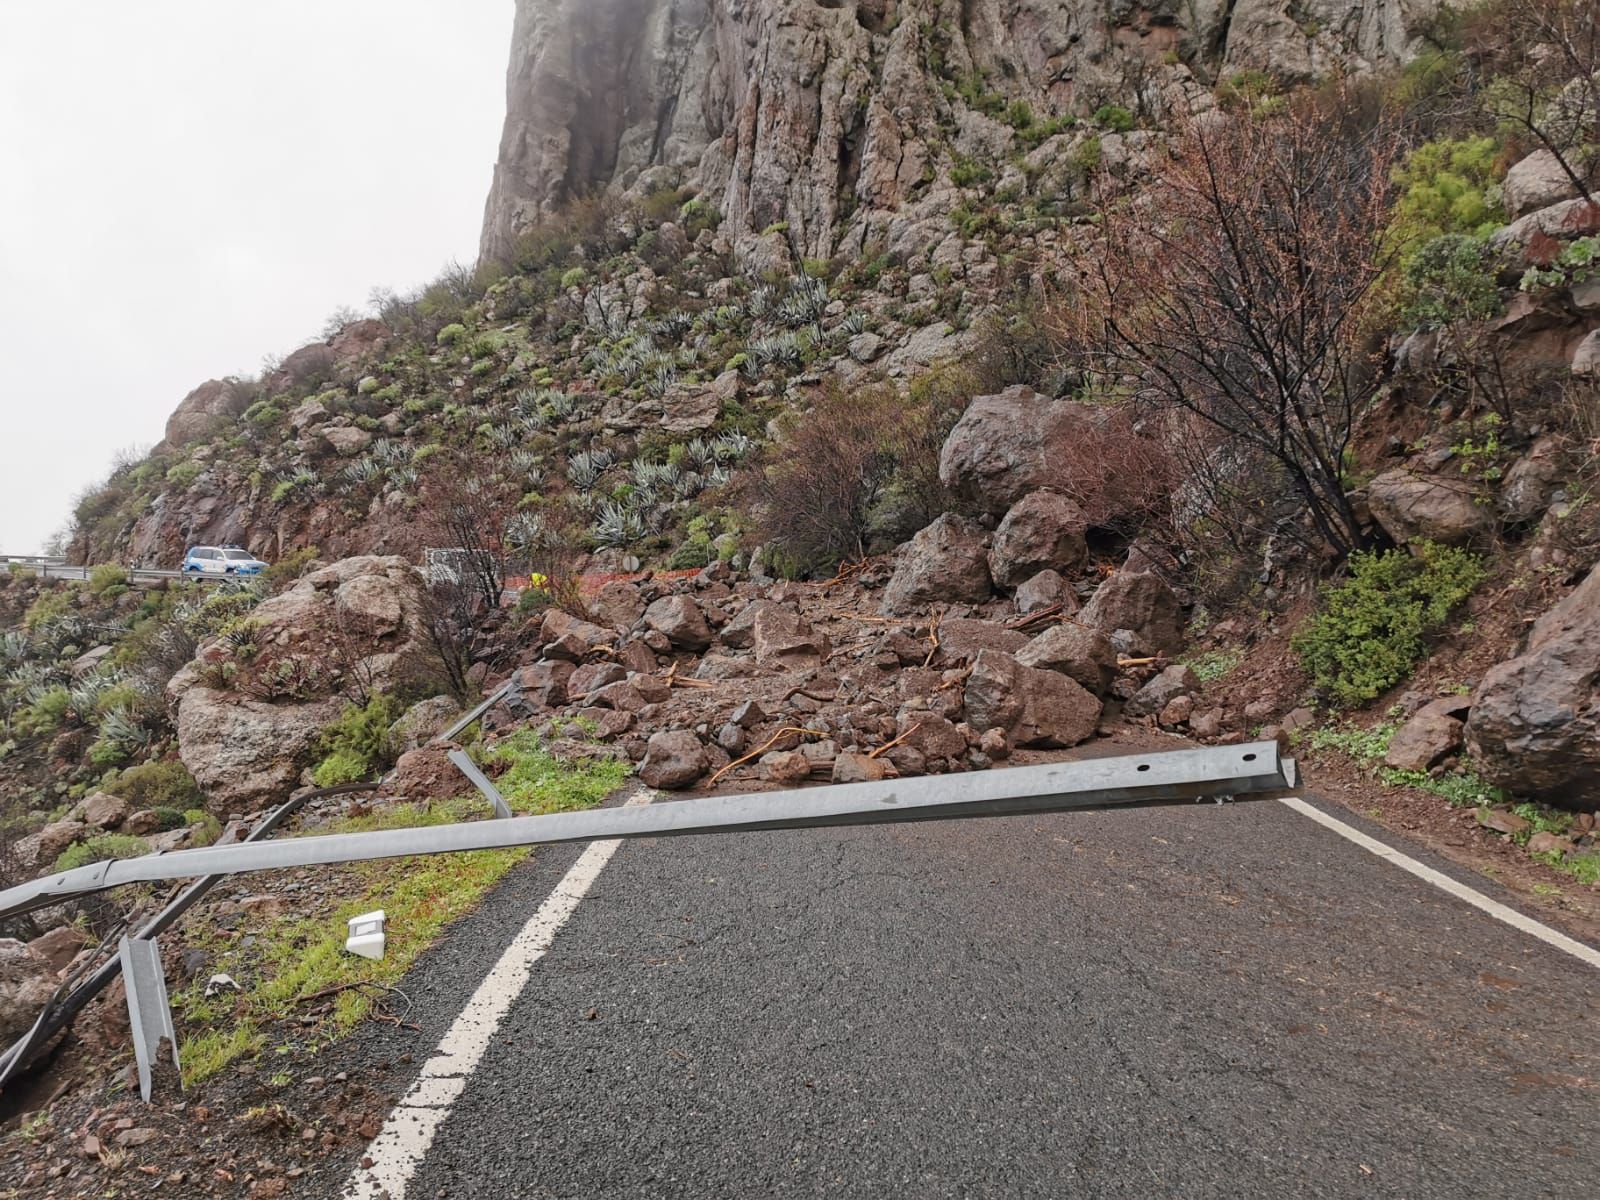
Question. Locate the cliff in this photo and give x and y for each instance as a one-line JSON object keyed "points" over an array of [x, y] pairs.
{"points": [[833, 117]]}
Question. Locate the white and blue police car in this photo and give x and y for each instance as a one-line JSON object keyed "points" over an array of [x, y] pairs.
{"points": [[221, 560]]}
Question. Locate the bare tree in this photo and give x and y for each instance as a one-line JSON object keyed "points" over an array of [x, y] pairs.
{"points": [[463, 515], [1240, 289], [1545, 55]]}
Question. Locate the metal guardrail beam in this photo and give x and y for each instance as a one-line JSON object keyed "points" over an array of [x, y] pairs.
{"points": [[1174, 776]]}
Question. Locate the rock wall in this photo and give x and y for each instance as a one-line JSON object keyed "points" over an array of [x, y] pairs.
{"points": [[803, 110]]}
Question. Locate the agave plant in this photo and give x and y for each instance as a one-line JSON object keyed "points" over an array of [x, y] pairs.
{"points": [[123, 729], [782, 351], [363, 470], [700, 454], [389, 453], [526, 532], [854, 322], [660, 381], [689, 484], [762, 298], [733, 445], [13, 646], [503, 437], [585, 468], [616, 526], [805, 303]]}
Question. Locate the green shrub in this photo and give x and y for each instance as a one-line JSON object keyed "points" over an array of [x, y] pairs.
{"points": [[49, 606], [263, 413], [44, 715], [1450, 278], [1445, 187], [158, 785], [1088, 156], [1113, 117], [185, 473], [169, 818], [968, 172], [1373, 627], [209, 828], [106, 576], [451, 334], [357, 744], [573, 277], [98, 849]]}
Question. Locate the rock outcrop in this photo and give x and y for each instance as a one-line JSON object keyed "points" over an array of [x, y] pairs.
{"points": [[205, 410], [249, 712], [1534, 727], [793, 113], [1414, 507]]}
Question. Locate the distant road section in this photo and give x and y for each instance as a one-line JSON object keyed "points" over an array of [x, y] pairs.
{"points": [[55, 567]]}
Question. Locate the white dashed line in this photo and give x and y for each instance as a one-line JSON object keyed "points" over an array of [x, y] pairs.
{"points": [[402, 1143], [1460, 891]]}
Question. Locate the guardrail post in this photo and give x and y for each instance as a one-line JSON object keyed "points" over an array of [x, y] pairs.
{"points": [[149, 1014], [480, 781]]}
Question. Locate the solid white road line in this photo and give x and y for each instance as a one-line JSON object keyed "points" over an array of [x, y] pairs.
{"points": [[1460, 891], [402, 1143]]}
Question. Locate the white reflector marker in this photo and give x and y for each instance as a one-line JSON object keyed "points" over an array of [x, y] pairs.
{"points": [[366, 935]]}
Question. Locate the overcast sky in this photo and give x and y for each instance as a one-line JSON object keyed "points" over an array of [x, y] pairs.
{"points": [[187, 186]]}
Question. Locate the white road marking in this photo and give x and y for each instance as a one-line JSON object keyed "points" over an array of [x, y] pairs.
{"points": [[402, 1143], [1460, 891]]}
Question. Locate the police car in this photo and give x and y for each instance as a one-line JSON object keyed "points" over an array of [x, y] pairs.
{"points": [[221, 560]]}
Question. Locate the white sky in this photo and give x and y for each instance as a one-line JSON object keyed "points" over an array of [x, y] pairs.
{"points": [[189, 185]]}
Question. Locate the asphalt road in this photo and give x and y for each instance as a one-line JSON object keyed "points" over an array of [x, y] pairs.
{"points": [[1193, 1001]]}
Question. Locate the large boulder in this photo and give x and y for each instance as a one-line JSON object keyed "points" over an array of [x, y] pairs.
{"points": [[205, 410], [1534, 727], [1008, 445], [421, 723], [249, 715], [1081, 652], [1427, 507], [777, 633], [679, 618], [1160, 690], [1032, 707], [673, 759], [245, 753], [1140, 601], [945, 563], [1042, 530], [1535, 182]]}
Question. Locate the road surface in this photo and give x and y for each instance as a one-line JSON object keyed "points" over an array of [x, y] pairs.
{"points": [[1193, 1001]]}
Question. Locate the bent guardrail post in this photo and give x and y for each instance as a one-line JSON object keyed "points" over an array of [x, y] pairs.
{"points": [[480, 781], [68, 1003], [1174, 776], [149, 1013]]}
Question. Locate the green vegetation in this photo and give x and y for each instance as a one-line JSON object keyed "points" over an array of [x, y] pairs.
{"points": [[1113, 117], [98, 849], [297, 957], [158, 785], [1446, 186], [106, 577], [1373, 627], [1212, 665], [1368, 746], [356, 745], [1577, 261], [1449, 278], [451, 334]]}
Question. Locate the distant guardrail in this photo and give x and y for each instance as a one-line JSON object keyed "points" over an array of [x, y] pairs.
{"points": [[49, 566]]}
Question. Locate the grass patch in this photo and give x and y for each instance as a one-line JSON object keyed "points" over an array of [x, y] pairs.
{"points": [[1214, 664], [1368, 746], [294, 958]]}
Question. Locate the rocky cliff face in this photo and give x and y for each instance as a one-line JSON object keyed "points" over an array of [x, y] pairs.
{"points": [[833, 115]]}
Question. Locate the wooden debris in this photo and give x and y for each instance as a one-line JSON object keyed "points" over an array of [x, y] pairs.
{"points": [[763, 748]]}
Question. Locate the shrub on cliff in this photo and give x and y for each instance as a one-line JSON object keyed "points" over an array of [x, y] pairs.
{"points": [[1373, 627]]}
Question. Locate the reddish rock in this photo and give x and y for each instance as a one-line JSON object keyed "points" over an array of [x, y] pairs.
{"points": [[1042, 530], [653, 688], [59, 946], [777, 633], [1548, 843], [1078, 651], [1045, 589], [425, 774], [53, 839], [680, 621], [1162, 689], [1427, 737], [935, 736], [944, 563], [994, 744], [104, 811], [851, 767], [545, 683], [785, 766], [619, 695], [617, 604], [1141, 602], [673, 759], [1177, 710], [589, 678], [1535, 725], [1502, 821], [1206, 725], [961, 638], [1033, 707], [1440, 509]]}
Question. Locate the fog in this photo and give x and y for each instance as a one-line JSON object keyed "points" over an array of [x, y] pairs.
{"points": [[190, 186]]}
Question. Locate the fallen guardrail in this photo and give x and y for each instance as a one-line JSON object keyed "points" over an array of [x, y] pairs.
{"points": [[1180, 776]]}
